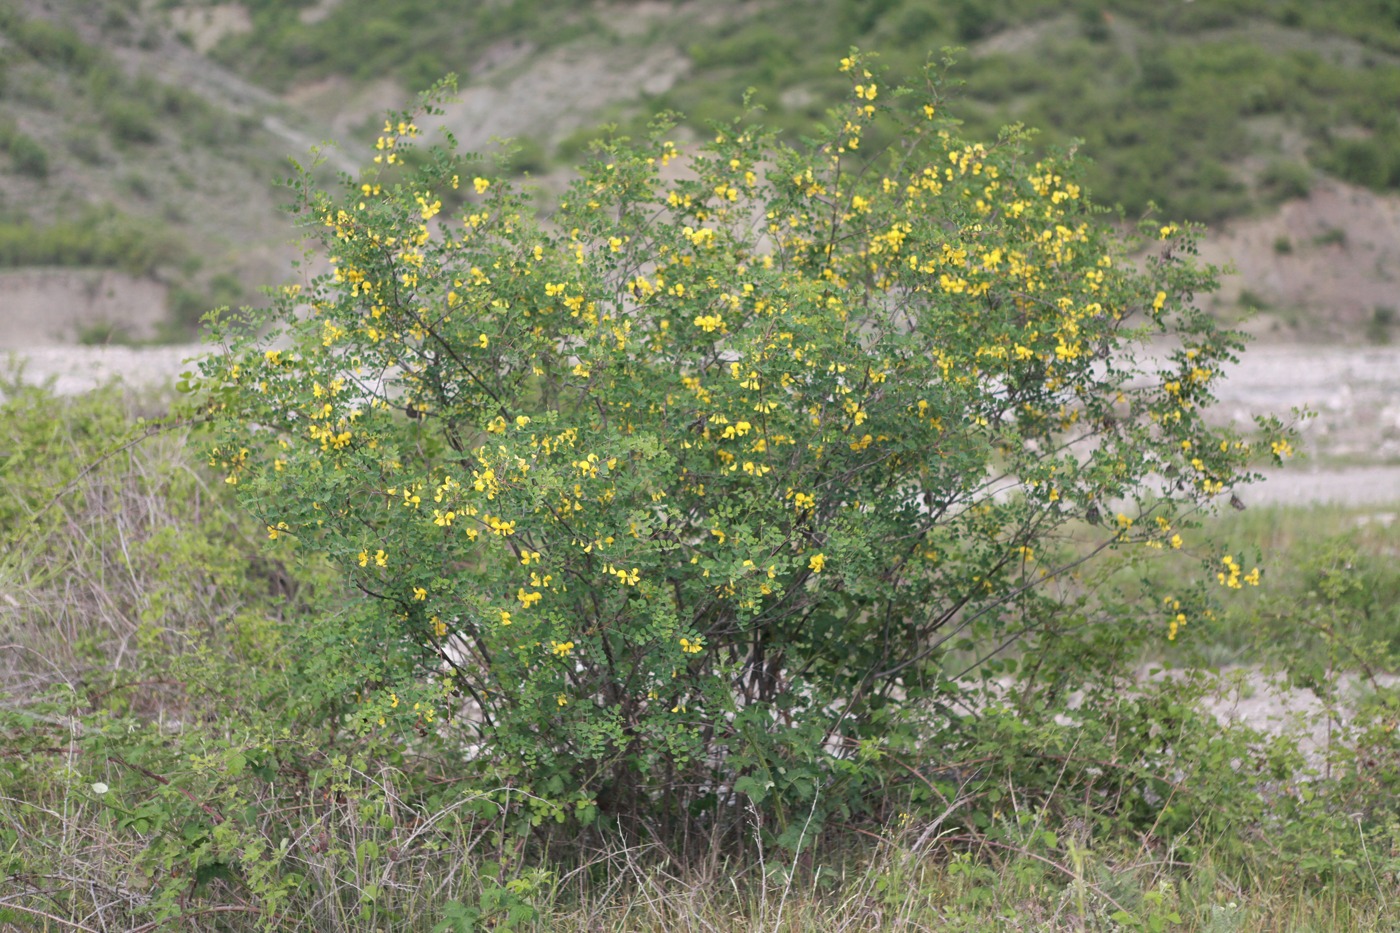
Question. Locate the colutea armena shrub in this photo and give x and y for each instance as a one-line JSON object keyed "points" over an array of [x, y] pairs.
{"points": [[671, 494]]}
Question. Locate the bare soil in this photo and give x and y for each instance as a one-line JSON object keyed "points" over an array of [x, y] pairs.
{"points": [[1318, 267], [62, 307]]}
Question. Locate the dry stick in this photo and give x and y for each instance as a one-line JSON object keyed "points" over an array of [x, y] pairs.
{"points": [[96, 697], [72, 924], [219, 909], [212, 813], [149, 433], [797, 854]]}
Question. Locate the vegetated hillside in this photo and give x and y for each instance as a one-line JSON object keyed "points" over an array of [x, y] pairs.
{"points": [[1210, 109], [123, 150], [176, 113]]}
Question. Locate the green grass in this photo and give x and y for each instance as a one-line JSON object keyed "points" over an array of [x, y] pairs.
{"points": [[1328, 597], [96, 238]]}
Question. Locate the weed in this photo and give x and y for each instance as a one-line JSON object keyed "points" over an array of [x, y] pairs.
{"points": [[102, 333], [1332, 236], [1379, 325], [1252, 301]]}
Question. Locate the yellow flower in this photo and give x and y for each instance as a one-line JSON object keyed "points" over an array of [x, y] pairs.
{"points": [[691, 647], [817, 562], [624, 576], [1230, 577], [419, 593], [561, 648], [480, 184]]}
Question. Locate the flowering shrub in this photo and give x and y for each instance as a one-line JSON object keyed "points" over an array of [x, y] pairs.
{"points": [[674, 496]]}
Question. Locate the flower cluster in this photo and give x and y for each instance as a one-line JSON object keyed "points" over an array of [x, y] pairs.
{"points": [[1232, 575]]}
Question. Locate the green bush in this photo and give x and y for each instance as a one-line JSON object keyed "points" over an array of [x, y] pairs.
{"points": [[100, 237], [85, 143], [683, 501], [48, 42], [1284, 181], [129, 121], [27, 155], [1378, 326], [187, 305], [1373, 162]]}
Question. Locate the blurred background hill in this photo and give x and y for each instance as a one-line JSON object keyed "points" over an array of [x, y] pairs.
{"points": [[140, 140]]}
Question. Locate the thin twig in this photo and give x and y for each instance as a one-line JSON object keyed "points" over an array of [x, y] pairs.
{"points": [[72, 924]]}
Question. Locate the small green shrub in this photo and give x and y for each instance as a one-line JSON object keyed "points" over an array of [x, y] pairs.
{"points": [[1332, 236], [1373, 162], [1378, 327], [100, 237], [102, 334], [1253, 301], [49, 42], [129, 121], [86, 143], [27, 155], [187, 305], [1283, 181]]}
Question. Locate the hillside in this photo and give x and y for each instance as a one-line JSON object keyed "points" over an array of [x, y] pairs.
{"points": [[144, 138]]}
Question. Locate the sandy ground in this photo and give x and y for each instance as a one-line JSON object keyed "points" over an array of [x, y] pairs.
{"points": [[59, 307]]}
